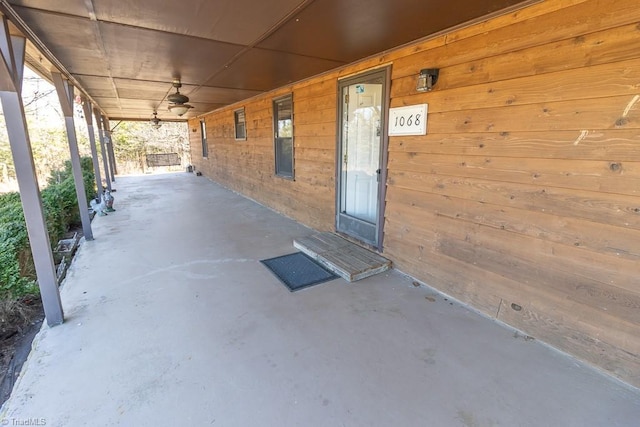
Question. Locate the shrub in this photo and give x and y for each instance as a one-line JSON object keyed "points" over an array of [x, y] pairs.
{"points": [[17, 274], [13, 240]]}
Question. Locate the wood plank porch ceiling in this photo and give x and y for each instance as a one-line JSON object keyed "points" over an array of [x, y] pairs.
{"points": [[125, 53]]}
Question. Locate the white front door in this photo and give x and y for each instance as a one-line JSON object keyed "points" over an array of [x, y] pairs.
{"points": [[360, 149]]}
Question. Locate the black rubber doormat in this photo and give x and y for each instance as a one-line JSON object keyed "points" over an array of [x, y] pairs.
{"points": [[298, 271]]}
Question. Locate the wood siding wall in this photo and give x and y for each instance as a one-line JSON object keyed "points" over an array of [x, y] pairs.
{"points": [[524, 198], [248, 167]]}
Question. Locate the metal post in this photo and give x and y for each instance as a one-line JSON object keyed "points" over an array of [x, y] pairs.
{"points": [[88, 115], [103, 149], [11, 68], [112, 157], [65, 94]]}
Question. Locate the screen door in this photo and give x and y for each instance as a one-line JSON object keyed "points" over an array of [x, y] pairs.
{"points": [[360, 163]]}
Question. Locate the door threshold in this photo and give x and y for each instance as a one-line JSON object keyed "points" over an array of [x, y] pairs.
{"points": [[344, 258]]}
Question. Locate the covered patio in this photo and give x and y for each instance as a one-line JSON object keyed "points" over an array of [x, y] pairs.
{"points": [[172, 320]]}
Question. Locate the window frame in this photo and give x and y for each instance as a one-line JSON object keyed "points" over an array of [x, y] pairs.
{"points": [[236, 115], [203, 139], [277, 162]]}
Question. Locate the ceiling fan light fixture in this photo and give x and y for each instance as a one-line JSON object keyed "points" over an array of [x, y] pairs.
{"points": [[179, 109], [177, 101], [155, 122], [177, 98]]}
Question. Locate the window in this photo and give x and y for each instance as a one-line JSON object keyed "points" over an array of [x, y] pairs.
{"points": [[241, 127], [203, 135], [283, 125]]}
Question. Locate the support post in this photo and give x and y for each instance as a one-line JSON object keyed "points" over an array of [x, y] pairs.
{"points": [[65, 94], [88, 115], [11, 69], [109, 141], [103, 149]]}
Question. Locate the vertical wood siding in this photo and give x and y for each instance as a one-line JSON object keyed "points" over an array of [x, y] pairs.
{"points": [[524, 198]]}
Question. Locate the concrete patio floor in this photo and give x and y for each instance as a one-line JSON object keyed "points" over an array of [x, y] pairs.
{"points": [[172, 321]]}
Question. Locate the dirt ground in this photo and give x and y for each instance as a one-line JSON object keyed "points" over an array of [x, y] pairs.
{"points": [[19, 323]]}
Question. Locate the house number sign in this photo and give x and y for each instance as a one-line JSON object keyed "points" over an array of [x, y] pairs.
{"points": [[411, 120]]}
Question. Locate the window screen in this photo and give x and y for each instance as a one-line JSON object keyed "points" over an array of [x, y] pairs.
{"points": [[283, 125], [203, 135], [240, 122]]}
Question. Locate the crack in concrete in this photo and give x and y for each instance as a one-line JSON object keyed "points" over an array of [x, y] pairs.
{"points": [[184, 266]]}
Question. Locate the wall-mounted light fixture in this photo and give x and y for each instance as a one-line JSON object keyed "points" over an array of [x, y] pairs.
{"points": [[427, 79], [155, 122], [177, 101]]}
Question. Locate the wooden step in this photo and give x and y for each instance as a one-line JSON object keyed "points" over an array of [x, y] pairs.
{"points": [[342, 257]]}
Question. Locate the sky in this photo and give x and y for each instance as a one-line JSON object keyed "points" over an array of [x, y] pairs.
{"points": [[46, 127]]}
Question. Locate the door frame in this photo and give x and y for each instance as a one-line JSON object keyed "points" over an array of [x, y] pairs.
{"points": [[384, 150]]}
